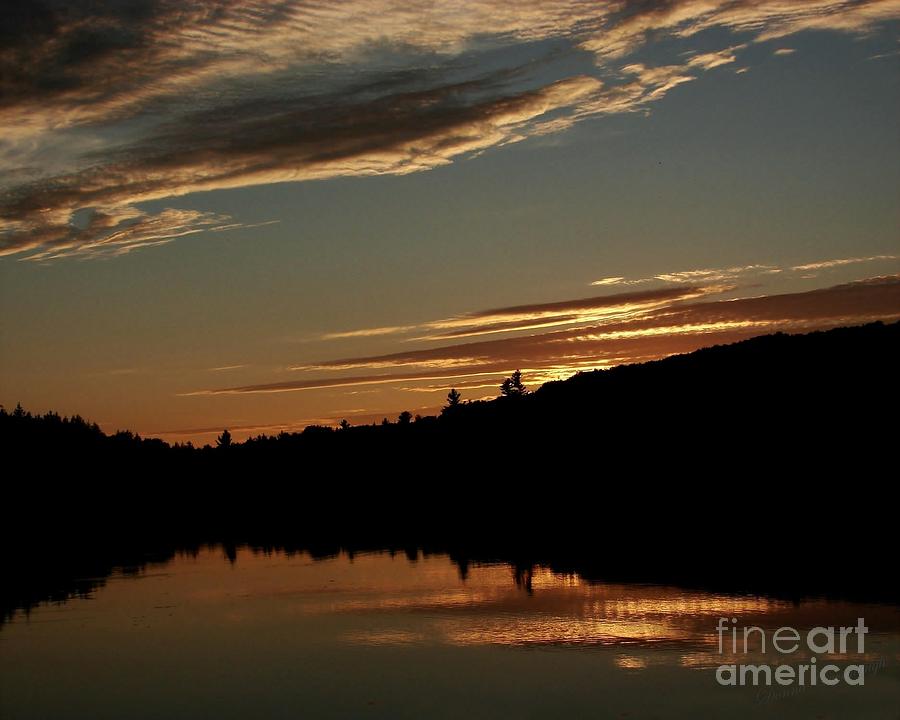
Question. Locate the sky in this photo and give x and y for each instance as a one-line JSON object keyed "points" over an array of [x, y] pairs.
{"points": [[265, 215]]}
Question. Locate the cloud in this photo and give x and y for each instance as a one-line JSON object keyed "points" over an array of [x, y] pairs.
{"points": [[116, 231], [708, 274], [694, 276], [840, 262], [334, 382], [284, 141], [539, 315], [544, 315], [369, 332], [764, 20], [688, 285], [87, 61], [110, 105], [734, 273], [784, 51], [708, 61], [671, 327]]}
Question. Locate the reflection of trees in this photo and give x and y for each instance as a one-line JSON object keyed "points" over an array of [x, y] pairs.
{"points": [[522, 575], [71, 573]]}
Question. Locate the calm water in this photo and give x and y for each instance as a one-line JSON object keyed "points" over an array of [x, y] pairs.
{"points": [[272, 636]]}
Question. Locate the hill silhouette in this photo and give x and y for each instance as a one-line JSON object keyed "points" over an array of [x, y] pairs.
{"points": [[765, 465], [812, 386]]}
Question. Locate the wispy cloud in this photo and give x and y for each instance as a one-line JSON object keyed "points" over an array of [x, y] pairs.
{"points": [[708, 61], [107, 106], [762, 19], [840, 262], [672, 326], [735, 273], [693, 276], [539, 315], [683, 286], [369, 332], [547, 315], [250, 429], [116, 232], [258, 143], [336, 382]]}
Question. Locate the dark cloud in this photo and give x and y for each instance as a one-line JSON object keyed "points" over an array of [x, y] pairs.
{"points": [[185, 97], [279, 140], [592, 303], [52, 48]]}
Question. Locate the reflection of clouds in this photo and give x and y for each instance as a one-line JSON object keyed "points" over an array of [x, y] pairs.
{"points": [[540, 630], [559, 610], [606, 615], [631, 662], [703, 660], [383, 637], [426, 603], [418, 601]]}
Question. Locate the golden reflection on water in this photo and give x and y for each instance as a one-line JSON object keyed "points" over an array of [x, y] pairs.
{"points": [[490, 608], [374, 634], [382, 599], [630, 662]]}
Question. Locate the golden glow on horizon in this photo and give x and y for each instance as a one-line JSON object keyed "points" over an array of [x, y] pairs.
{"points": [[659, 329]]}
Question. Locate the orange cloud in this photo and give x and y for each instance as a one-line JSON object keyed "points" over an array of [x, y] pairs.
{"points": [[674, 326], [743, 272]]}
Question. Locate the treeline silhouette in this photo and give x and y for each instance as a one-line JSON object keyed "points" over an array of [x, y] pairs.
{"points": [[776, 395], [768, 465]]}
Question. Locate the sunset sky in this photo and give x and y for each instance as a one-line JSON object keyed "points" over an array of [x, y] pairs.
{"points": [[265, 215]]}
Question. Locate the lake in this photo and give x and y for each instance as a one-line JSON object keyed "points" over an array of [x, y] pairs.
{"points": [[252, 634]]}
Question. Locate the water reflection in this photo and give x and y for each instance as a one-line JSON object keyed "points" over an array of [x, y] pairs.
{"points": [[200, 634]]}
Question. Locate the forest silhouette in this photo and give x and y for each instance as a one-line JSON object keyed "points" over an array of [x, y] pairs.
{"points": [[762, 466]]}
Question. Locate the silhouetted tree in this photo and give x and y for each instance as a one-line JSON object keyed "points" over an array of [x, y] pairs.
{"points": [[224, 440], [345, 424], [513, 386], [405, 417], [453, 398]]}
